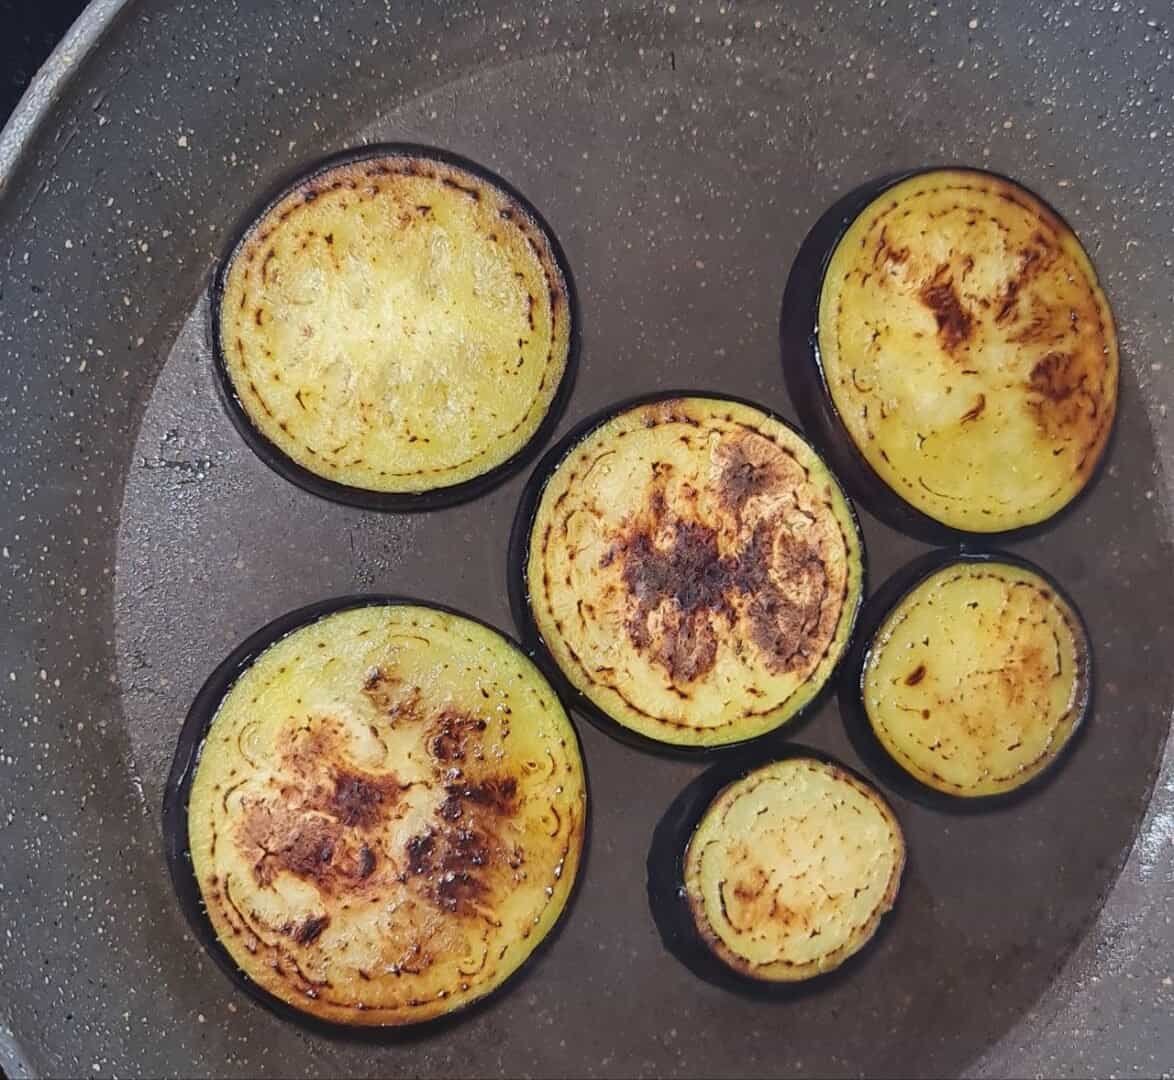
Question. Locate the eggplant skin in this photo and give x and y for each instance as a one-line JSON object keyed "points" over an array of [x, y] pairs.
{"points": [[396, 324], [791, 869], [387, 816], [694, 570], [965, 349], [978, 677]]}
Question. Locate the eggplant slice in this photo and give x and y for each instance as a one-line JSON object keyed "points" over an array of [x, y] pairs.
{"points": [[693, 569], [397, 322], [387, 814], [968, 355], [976, 673], [791, 869]]}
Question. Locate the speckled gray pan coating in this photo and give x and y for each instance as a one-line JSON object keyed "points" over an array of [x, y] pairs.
{"points": [[680, 151]]}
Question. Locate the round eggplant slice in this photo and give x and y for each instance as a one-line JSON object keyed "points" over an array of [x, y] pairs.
{"points": [[693, 569], [977, 676], [387, 814], [791, 869], [946, 332], [396, 323]]}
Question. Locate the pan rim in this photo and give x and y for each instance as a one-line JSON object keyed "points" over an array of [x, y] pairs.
{"points": [[48, 84]]}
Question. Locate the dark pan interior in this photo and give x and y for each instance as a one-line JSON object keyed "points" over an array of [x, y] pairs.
{"points": [[680, 152]]}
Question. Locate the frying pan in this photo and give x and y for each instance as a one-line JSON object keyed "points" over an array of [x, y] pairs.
{"points": [[680, 151]]}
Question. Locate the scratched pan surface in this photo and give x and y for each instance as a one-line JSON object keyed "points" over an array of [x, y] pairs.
{"points": [[680, 151]]}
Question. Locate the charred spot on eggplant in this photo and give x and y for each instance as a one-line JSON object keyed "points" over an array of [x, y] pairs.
{"points": [[692, 567], [387, 814], [787, 872], [945, 335], [974, 674], [397, 324]]}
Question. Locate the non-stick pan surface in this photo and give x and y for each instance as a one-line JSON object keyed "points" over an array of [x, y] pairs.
{"points": [[680, 151]]}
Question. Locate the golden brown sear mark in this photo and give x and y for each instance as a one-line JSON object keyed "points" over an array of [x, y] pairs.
{"points": [[695, 578], [975, 410], [1052, 377], [955, 323], [471, 190], [682, 591], [455, 735], [1033, 259], [669, 411], [308, 930], [893, 256], [390, 696], [359, 800], [746, 903], [750, 466], [456, 857], [311, 846], [915, 676], [320, 824], [1059, 396], [785, 618]]}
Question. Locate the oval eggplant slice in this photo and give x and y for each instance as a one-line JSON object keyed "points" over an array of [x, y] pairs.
{"points": [[975, 673], [791, 869], [387, 814], [692, 567], [396, 323], [949, 328]]}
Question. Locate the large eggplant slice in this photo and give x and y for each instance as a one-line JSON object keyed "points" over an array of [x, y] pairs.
{"points": [[971, 675], [395, 328], [386, 815], [692, 567], [775, 871], [949, 347]]}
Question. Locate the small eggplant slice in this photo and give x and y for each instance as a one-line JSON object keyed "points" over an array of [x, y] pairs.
{"points": [[791, 869], [398, 322], [977, 677], [693, 569], [386, 817], [948, 330]]}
